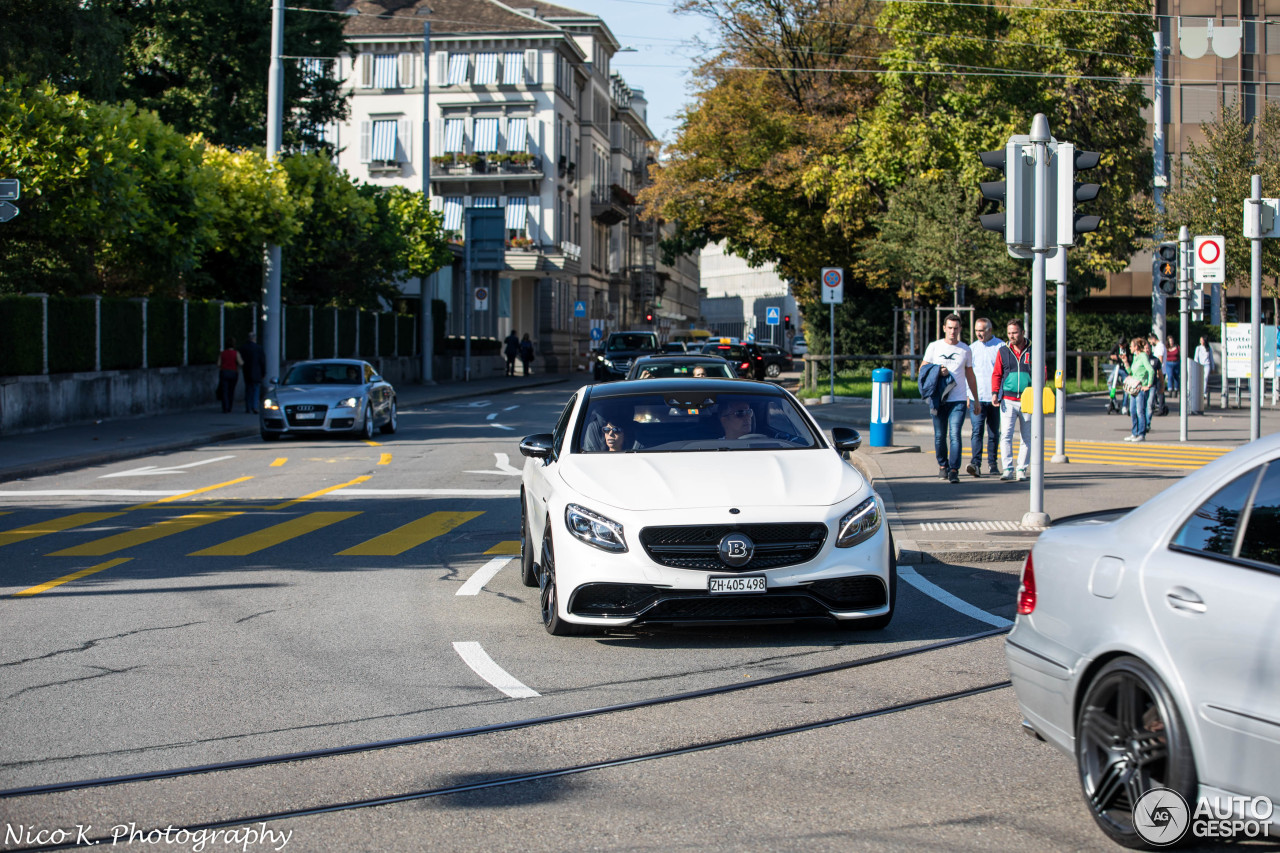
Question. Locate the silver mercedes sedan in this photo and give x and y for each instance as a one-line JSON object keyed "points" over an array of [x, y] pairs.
{"points": [[333, 396], [1148, 649]]}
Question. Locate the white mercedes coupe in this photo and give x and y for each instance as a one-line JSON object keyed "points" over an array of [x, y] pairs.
{"points": [[699, 501]]}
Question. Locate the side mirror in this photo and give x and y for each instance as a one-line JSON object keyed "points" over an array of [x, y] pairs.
{"points": [[376, 378], [274, 380], [846, 439], [537, 446]]}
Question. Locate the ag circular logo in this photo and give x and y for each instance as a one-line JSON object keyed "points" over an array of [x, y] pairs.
{"points": [[736, 549], [1161, 816]]}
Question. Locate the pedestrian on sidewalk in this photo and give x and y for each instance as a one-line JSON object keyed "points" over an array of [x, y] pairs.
{"points": [[1118, 400], [1172, 354], [1141, 378], [253, 360], [229, 362], [526, 354], [1009, 378], [1204, 358], [953, 359], [984, 411], [511, 349], [1155, 399]]}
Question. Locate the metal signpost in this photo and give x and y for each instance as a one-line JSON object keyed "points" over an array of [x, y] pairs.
{"points": [[1260, 222], [833, 295], [1209, 267], [485, 250]]}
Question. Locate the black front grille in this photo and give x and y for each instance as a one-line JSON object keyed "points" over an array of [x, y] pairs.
{"points": [[730, 608], [855, 593], [292, 412], [611, 599], [697, 546]]}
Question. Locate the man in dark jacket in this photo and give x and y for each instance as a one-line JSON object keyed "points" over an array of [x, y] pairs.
{"points": [[511, 349], [254, 359]]}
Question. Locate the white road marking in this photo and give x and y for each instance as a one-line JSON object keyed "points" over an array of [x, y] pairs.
{"points": [[106, 493], [975, 525], [501, 426], [480, 662], [370, 493], [491, 416], [510, 408], [937, 593], [147, 470], [476, 582], [504, 467]]}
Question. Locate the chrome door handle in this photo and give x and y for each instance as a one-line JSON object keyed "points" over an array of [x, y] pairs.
{"points": [[1181, 598]]}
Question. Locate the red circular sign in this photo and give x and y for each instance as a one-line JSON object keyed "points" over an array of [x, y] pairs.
{"points": [[1210, 251], [831, 278], [482, 294]]}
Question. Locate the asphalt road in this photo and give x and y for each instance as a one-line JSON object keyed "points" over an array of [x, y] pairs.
{"points": [[251, 599]]}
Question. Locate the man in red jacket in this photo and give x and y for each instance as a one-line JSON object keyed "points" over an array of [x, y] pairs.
{"points": [[1010, 377]]}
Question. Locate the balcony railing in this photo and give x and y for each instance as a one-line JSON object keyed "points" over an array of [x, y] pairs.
{"points": [[486, 164]]}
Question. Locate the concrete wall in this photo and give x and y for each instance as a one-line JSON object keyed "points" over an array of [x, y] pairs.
{"points": [[33, 403]]}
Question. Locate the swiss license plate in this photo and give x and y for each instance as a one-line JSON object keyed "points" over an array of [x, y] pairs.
{"points": [[308, 416], [737, 583]]}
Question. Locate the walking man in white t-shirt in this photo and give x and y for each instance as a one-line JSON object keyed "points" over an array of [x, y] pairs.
{"points": [[984, 412], [955, 359]]}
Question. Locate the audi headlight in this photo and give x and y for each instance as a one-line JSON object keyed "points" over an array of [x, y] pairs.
{"points": [[608, 362], [271, 405], [603, 533], [860, 524], [348, 403]]}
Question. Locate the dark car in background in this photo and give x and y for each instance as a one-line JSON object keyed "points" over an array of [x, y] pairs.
{"points": [[680, 366], [776, 360], [620, 349], [745, 358]]}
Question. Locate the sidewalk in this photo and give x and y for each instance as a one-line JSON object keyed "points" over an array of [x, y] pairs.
{"points": [[34, 454], [980, 519]]}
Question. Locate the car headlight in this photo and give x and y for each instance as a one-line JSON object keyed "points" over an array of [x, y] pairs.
{"points": [[271, 404], [860, 524], [608, 362], [348, 403], [603, 533]]}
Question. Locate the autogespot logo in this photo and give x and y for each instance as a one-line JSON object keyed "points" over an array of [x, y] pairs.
{"points": [[736, 549], [1161, 816]]}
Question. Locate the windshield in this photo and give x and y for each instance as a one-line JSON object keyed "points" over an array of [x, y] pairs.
{"points": [[323, 374], [688, 420], [714, 368], [630, 343]]}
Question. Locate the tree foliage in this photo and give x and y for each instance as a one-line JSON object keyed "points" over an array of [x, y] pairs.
{"points": [[1215, 177]]}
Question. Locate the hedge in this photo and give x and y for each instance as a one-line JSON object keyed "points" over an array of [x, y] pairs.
{"points": [[20, 350], [121, 334]]}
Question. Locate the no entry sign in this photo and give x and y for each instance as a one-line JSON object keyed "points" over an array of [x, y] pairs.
{"points": [[1210, 259]]}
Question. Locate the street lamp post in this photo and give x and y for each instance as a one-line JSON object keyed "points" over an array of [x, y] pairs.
{"points": [[271, 255]]}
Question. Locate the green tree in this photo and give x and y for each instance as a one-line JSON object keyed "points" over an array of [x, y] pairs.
{"points": [[202, 66], [1214, 179], [72, 44]]}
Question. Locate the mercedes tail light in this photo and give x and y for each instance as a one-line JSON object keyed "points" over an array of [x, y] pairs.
{"points": [[1027, 589]]}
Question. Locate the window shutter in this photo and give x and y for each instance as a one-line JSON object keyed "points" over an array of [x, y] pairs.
{"points": [[405, 139], [531, 66], [442, 68], [365, 131], [406, 70], [366, 71]]}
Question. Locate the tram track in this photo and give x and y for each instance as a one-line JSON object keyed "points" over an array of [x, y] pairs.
{"points": [[308, 783]]}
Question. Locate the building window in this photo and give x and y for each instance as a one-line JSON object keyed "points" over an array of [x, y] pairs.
{"points": [[1270, 35], [485, 201], [517, 135], [486, 69], [452, 213], [1199, 103], [457, 69], [453, 136], [486, 135], [517, 217], [384, 141], [512, 68], [386, 68]]}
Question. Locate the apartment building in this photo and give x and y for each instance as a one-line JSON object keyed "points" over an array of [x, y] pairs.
{"points": [[512, 107]]}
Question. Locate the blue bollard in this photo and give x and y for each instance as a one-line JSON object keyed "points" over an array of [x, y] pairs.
{"points": [[882, 407]]}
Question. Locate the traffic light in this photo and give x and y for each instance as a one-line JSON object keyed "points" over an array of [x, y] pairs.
{"points": [[786, 321], [1166, 269], [1067, 162], [1015, 223], [648, 317]]}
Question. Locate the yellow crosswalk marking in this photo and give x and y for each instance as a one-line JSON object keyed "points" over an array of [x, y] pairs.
{"points": [[510, 547], [54, 525], [411, 535], [36, 590], [278, 462], [143, 535], [274, 535], [385, 459]]}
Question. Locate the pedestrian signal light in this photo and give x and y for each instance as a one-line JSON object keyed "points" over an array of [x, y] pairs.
{"points": [[1166, 271], [1067, 163]]}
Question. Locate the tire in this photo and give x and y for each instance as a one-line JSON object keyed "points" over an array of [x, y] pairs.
{"points": [[549, 598], [1130, 739], [366, 428], [877, 623], [773, 371], [528, 568], [389, 428]]}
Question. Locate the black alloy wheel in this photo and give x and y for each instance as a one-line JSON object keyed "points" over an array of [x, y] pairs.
{"points": [[528, 569], [1130, 739], [773, 371], [389, 428], [550, 601], [875, 623]]}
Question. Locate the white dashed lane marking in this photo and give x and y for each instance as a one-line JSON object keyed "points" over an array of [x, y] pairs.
{"points": [[478, 659]]}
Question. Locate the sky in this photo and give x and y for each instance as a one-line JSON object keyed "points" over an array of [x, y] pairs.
{"points": [[663, 58]]}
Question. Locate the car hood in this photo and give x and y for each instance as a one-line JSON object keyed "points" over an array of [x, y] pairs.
{"points": [[695, 480], [319, 390]]}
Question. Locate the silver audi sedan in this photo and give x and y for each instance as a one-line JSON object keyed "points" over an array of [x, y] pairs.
{"points": [[1148, 648], [333, 396]]}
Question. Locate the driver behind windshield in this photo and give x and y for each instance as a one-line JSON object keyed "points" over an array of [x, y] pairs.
{"points": [[737, 418]]}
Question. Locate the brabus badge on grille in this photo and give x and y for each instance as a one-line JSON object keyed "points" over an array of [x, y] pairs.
{"points": [[736, 549]]}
